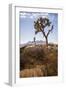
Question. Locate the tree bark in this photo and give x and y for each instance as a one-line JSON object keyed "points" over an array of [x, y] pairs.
{"points": [[46, 41], [46, 37]]}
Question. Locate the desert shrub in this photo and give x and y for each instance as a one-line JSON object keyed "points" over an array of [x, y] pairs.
{"points": [[52, 69], [35, 72], [30, 56], [45, 59]]}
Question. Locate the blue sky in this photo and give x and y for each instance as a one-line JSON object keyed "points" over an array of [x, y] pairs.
{"points": [[26, 26]]}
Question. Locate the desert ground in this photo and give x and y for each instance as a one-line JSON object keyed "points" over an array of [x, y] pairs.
{"points": [[39, 61]]}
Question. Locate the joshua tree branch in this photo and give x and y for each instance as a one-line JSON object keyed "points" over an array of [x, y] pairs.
{"points": [[44, 33], [50, 31]]}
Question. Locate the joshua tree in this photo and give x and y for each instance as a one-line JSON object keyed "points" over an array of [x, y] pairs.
{"points": [[40, 24]]}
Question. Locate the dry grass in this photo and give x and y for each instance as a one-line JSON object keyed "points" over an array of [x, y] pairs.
{"points": [[34, 72], [38, 61]]}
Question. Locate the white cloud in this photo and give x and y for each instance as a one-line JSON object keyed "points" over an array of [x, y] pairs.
{"points": [[33, 15], [22, 16]]}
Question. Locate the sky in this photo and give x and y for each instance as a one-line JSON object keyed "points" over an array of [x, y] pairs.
{"points": [[27, 30]]}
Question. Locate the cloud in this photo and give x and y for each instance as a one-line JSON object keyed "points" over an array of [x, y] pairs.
{"points": [[33, 15], [22, 16], [22, 13]]}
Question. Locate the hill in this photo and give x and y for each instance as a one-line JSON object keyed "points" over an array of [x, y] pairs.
{"points": [[33, 43], [37, 60]]}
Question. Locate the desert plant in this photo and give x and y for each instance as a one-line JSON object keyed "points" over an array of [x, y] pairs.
{"points": [[40, 24]]}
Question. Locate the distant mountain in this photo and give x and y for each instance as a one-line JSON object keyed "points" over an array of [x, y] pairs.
{"points": [[32, 43], [23, 45]]}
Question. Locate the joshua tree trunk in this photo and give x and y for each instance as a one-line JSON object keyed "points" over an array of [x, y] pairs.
{"points": [[46, 37], [46, 41]]}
